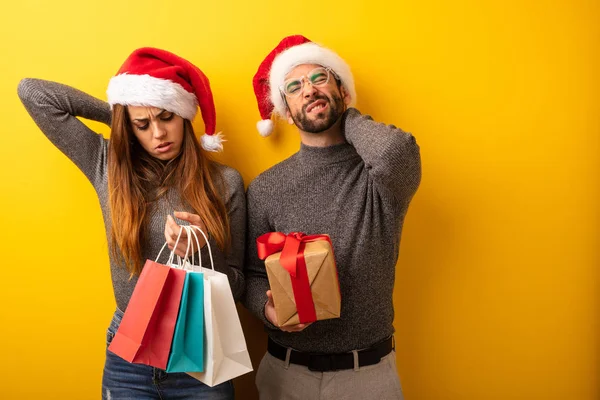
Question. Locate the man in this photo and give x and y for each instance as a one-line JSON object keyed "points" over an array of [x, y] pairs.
{"points": [[352, 179]]}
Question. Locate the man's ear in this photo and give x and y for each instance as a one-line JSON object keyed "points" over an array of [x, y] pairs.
{"points": [[288, 116], [345, 95]]}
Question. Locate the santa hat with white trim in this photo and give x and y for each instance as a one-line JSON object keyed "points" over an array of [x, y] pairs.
{"points": [[157, 78], [289, 53]]}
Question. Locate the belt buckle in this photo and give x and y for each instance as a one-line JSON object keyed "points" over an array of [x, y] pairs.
{"points": [[321, 362]]}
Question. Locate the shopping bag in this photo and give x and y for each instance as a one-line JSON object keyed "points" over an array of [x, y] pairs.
{"points": [[226, 353], [146, 330], [187, 349]]}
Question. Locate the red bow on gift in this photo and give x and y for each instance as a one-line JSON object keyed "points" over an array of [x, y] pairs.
{"points": [[291, 247]]}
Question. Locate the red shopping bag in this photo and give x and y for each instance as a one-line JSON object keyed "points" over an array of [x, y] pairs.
{"points": [[146, 330]]}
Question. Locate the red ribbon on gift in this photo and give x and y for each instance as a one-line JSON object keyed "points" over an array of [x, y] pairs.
{"points": [[292, 247]]}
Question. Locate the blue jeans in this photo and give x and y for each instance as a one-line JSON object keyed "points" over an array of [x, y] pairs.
{"points": [[122, 380]]}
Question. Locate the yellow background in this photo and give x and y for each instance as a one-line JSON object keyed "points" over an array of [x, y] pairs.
{"points": [[497, 283]]}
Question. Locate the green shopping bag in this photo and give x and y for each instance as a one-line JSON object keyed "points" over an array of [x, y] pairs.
{"points": [[187, 349]]}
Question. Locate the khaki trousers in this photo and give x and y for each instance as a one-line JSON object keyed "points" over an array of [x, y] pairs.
{"points": [[277, 381]]}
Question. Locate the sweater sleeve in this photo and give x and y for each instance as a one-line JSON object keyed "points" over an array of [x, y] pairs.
{"points": [[55, 107], [232, 262], [257, 282], [391, 155]]}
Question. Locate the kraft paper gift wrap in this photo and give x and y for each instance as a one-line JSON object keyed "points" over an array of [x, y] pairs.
{"points": [[322, 279]]}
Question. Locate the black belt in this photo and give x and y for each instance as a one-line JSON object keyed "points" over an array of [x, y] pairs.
{"points": [[333, 362]]}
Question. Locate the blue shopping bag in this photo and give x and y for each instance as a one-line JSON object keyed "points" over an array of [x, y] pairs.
{"points": [[187, 349]]}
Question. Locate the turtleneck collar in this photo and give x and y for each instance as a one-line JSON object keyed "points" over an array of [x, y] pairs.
{"points": [[326, 155]]}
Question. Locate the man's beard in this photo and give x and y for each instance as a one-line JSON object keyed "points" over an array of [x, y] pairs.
{"points": [[324, 122]]}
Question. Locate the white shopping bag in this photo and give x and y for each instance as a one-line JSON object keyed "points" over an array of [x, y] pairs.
{"points": [[225, 352]]}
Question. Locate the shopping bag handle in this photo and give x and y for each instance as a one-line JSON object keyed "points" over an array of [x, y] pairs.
{"points": [[212, 263], [172, 254], [189, 229], [190, 233], [181, 263]]}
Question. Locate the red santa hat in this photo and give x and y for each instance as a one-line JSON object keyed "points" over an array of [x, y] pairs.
{"points": [[289, 53], [157, 78]]}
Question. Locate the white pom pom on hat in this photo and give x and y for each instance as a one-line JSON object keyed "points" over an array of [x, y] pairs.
{"points": [[212, 142], [265, 127]]}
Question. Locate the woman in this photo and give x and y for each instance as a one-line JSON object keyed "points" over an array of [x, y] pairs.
{"points": [[152, 165]]}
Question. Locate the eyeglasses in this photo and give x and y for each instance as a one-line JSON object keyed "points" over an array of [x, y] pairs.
{"points": [[317, 77]]}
